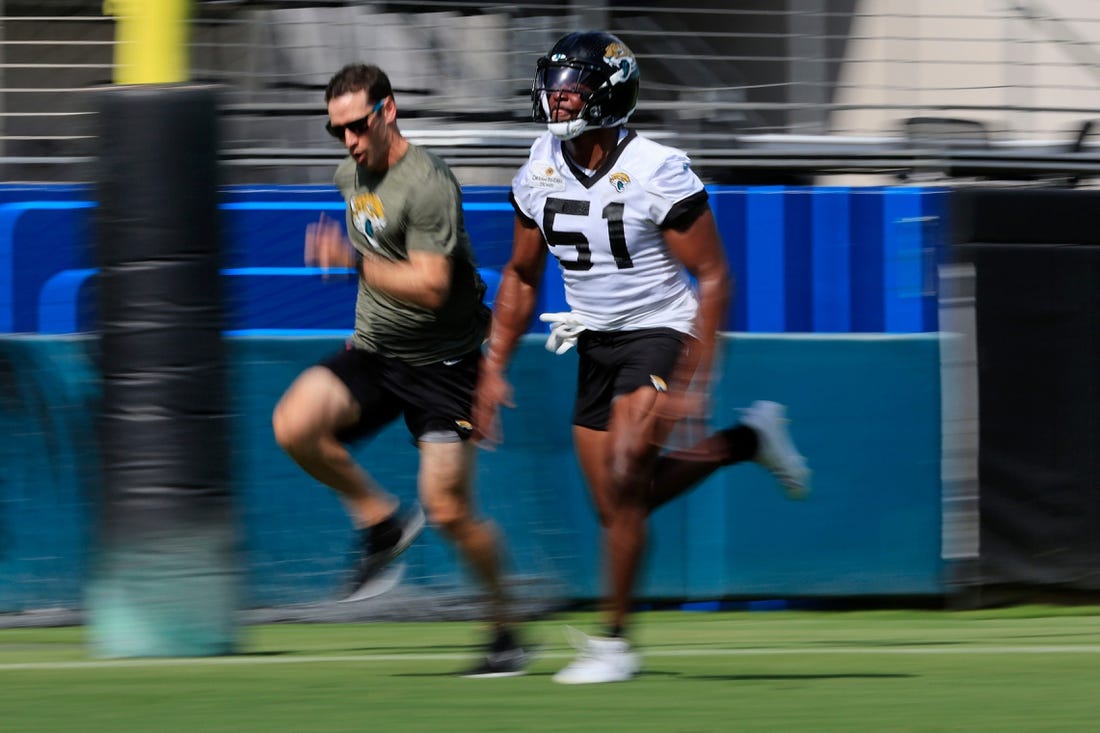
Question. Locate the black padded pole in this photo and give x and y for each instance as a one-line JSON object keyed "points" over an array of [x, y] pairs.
{"points": [[165, 576]]}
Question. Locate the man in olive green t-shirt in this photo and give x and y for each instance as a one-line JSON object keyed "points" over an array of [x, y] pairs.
{"points": [[419, 325]]}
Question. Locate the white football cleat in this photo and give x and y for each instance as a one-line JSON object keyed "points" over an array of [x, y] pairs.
{"points": [[776, 451], [599, 660]]}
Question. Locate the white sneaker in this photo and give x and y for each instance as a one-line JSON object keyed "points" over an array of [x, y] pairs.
{"points": [[776, 451], [599, 660]]}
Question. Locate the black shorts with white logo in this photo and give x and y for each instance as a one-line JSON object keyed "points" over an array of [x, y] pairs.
{"points": [[614, 363], [435, 398]]}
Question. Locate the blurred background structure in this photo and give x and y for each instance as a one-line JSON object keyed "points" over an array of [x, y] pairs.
{"points": [[753, 89], [905, 191]]}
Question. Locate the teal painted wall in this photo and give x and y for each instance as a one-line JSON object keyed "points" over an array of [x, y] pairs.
{"points": [[866, 410]]}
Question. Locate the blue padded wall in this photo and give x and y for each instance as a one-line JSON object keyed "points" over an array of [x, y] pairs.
{"points": [[848, 273], [805, 259]]}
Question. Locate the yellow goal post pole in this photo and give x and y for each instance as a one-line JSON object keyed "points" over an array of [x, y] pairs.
{"points": [[151, 40]]}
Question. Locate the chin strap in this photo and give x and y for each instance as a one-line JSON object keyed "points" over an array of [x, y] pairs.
{"points": [[567, 130]]}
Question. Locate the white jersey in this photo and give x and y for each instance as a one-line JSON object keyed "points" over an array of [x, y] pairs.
{"points": [[605, 231]]}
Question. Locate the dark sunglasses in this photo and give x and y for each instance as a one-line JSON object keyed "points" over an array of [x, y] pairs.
{"points": [[356, 126]]}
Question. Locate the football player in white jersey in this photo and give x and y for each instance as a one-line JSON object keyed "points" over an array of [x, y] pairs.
{"points": [[630, 225]]}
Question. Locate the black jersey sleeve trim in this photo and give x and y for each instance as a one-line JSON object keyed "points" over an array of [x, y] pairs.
{"points": [[685, 211], [526, 220]]}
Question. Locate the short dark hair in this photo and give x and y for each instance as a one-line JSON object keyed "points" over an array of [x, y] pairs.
{"points": [[357, 78]]}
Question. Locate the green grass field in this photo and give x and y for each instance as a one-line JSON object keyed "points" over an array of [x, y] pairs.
{"points": [[1033, 669]]}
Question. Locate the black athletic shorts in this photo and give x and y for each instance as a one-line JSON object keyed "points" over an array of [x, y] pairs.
{"points": [[435, 398], [615, 363]]}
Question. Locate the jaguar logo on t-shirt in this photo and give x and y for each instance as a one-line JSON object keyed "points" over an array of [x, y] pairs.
{"points": [[619, 180], [368, 216]]}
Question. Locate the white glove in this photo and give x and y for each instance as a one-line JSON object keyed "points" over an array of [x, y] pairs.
{"points": [[564, 329]]}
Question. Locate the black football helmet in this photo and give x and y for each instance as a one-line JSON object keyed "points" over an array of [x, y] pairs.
{"points": [[600, 68]]}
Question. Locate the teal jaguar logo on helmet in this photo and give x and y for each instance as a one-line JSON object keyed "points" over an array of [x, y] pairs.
{"points": [[618, 56]]}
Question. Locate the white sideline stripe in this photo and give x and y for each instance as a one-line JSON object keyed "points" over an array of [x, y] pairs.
{"points": [[245, 659]]}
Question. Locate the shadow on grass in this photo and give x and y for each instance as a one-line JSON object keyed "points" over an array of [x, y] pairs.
{"points": [[879, 643], [784, 677], [456, 674], [355, 650]]}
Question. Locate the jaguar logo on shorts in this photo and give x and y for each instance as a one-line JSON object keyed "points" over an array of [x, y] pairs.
{"points": [[464, 424], [368, 216], [658, 383], [619, 180]]}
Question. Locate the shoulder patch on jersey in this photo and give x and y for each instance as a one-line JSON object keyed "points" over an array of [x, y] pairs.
{"points": [[543, 174], [619, 180]]}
